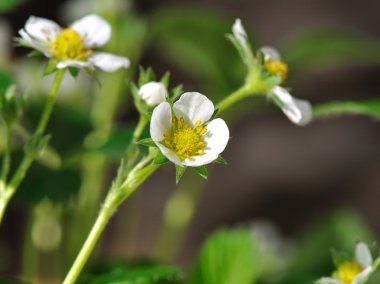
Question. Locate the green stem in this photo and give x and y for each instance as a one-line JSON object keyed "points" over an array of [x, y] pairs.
{"points": [[114, 198], [19, 174], [233, 98], [7, 154], [139, 128]]}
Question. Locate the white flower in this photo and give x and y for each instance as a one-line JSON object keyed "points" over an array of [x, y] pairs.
{"points": [[73, 46], [153, 93], [270, 53], [353, 272], [239, 32], [298, 111], [189, 138]]}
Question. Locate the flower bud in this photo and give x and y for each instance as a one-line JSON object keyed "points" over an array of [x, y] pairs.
{"points": [[153, 93]]}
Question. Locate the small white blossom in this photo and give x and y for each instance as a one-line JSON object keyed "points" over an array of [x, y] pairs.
{"points": [[189, 138], [353, 272], [298, 111], [153, 93], [73, 46], [270, 53]]}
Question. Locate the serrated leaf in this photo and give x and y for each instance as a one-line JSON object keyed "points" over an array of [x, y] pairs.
{"points": [[147, 142], [74, 71], [160, 159], [51, 66], [202, 171], [179, 171], [220, 160], [368, 107]]}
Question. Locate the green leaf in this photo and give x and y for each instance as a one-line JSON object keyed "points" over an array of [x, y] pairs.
{"points": [[74, 71], [118, 142], [51, 66], [202, 171], [228, 256], [133, 273], [368, 107], [179, 171], [147, 142], [165, 79], [5, 80], [220, 160], [7, 5], [160, 159]]}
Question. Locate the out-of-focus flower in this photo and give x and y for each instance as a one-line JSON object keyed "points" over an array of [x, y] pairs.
{"points": [[153, 93], [184, 133], [73, 46], [356, 271], [239, 32]]}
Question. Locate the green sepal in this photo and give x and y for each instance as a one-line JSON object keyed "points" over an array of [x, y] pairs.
{"points": [[74, 71], [147, 142], [220, 160], [137, 100], [51, 66], [165, 79], [179, 171], [146, 76], [35, 53], [160, 159], [260, 58], [202, 171], [214, 114], [91, 72], [176, 92], [339, 257]]}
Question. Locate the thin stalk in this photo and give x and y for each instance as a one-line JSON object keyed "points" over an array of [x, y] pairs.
{"points": [[20, 172], [233, 98], [114, 198], [7, 154]]}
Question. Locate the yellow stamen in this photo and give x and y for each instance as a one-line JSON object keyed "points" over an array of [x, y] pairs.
{"points": [[69, 45], [348, 270], [277, 67], [185, 140]]}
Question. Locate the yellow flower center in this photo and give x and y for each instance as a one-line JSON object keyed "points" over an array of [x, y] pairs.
{"points": [[69, 45], [348, 270], [185, 140], [277, 67]]}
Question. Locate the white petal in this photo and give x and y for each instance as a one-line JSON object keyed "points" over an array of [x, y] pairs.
{"points": [[153, 93], [160, 122], [215, 139], [27, 40], [194, 106], [270, 53], [108, 62], [298, 111], [94, 30], [42, 29], [363, 255], [73, 63], [328, 280], [362, 277], [170, 155], [239, 32]]}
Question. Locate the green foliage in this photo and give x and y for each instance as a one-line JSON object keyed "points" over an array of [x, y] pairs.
{"points": [[227, 257], [321, 49], [51, 66], [130, 273], [202, 171], [368, 107], [160, 159], [11, 104], [6, 5], [5, 80], [179, 172], [118, 141]]}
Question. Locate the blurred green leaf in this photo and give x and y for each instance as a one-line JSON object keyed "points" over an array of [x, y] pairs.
{"points": [[131, 273], [368, 107], [118, 142], [228, 256], [5, 80], [199, 47], [322, 49], [6, 5]]}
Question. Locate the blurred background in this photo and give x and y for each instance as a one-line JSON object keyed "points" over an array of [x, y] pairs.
{"points": [[305, 188]]}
